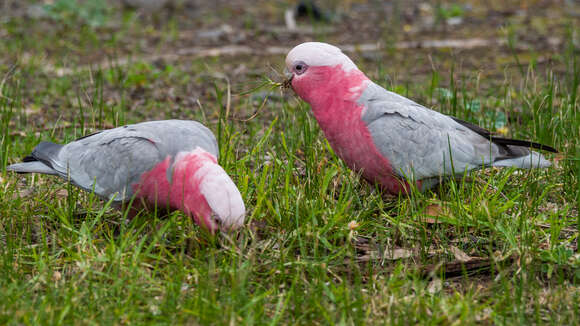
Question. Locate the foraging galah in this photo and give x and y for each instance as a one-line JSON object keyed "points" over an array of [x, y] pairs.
{"points": [[389, 139], [166, 164]]}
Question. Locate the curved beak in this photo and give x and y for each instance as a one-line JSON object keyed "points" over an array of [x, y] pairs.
{"points": [[288, 81]]}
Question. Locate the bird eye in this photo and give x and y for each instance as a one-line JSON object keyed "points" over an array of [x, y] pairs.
{"points": [[300, 68]]}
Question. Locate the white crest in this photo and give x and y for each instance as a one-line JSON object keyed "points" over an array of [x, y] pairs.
{"points": [[319, 54]]}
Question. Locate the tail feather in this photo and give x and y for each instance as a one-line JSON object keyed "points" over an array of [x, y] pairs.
{"points": [[523, 143], [532, 160], [39, 161], [31, 167], [46, 152], [504, 141]]}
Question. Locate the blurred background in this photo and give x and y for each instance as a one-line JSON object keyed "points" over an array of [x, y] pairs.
{"points": [[167, 49]]}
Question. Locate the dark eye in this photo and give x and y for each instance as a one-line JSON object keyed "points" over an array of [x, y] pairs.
{"points": [[300, 68]]}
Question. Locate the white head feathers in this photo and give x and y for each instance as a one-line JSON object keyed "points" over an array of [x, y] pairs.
{"points": [[318, 54], [216, 186], [222, 195]]}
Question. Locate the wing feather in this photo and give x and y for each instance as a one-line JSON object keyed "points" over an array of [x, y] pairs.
{"points": [[111, 161], [422, 143]]}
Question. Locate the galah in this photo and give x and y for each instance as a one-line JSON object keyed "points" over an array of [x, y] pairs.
{"points": [[168, 164], [387, 138]]}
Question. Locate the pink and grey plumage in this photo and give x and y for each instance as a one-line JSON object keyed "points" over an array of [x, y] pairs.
{"points": [[169, 164], [389, 139]]}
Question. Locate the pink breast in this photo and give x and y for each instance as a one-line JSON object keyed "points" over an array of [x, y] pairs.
{"points": [[154, 187], [182, 193], [334, 107]]}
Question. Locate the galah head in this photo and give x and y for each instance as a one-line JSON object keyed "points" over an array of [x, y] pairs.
{"points": [[315, 54], [312, 65], [215, 200]]}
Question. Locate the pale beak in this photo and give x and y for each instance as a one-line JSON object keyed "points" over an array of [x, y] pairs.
{"points": [[288, 81]]}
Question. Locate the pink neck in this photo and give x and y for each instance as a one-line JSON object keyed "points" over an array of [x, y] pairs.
{"points": [[333, 93], [183, 192], [327, 84]]}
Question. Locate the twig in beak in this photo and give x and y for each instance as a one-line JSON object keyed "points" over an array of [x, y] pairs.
{"points": [[268, 82], [255, 114], [287, 83]]}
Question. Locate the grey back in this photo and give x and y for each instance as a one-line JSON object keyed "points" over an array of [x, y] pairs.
{"points": [[421, 143], [111, 161]]}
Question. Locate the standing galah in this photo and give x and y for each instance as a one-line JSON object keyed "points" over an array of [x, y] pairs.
{"points": [[389, 139], [167, 164]]}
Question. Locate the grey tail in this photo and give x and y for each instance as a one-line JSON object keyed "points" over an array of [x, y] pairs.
{"points": [[31, 167], [39, 161], [530, 161], [513, 152], [45, 152], [506, 142]]}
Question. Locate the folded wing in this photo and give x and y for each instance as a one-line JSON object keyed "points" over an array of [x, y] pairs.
{"points": [[421, 143], [111, 161]]}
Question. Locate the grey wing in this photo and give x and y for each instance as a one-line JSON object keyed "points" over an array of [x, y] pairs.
{"points": [[174, 136], [422, 143], [109, 168], [111, 161]]}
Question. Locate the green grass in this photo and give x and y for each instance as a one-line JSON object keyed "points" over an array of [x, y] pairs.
{"points": [[66, 257]]}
